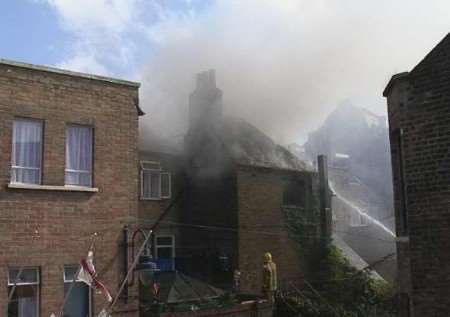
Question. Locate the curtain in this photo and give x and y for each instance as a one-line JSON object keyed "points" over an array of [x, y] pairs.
{"points": [[24, 303], [26, 152], [78, 156], [78, 302], [27, 307]]}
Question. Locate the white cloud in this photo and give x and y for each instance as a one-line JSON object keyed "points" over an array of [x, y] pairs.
{"points": [[86, 15], [101, 30], [86, 63]]}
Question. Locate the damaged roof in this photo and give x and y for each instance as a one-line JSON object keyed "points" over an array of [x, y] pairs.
{"points": [[249, 146]]}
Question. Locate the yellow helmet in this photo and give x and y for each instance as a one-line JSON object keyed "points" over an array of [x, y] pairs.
{"points": [[268, 257]]}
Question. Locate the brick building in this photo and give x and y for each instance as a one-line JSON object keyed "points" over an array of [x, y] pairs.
{"points": [[68, 156], [419, 124], [69, 167], [238, 187]]}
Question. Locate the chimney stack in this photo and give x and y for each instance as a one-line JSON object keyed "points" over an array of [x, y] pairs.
{"points": [[206, 80], [203, 142], [205, 105]]}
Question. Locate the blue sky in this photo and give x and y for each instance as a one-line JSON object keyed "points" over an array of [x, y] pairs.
{"points": [[30, 32], [283, 65], [111, 37]]}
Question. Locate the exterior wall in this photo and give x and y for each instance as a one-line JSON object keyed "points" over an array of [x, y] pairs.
{"points": [[210, 203], [150, 211], [262, 226], [65, 220], [210, 215], [397, 102], [423, 114]]}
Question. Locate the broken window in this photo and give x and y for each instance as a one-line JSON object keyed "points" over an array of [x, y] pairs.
{"points": [[26, 156], [78, 302], [23, 290], [155, 184], [78, 155]]}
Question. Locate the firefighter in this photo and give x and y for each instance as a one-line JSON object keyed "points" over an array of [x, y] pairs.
{"points": [[269, 277]]}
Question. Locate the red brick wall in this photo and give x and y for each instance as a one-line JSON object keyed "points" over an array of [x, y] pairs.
{"points": [[65, 220]]}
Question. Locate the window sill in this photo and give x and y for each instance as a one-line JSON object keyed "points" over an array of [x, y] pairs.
{"points": [[66, 188]]}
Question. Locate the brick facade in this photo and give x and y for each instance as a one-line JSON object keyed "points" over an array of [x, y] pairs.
{"points": [[419, 119], [234, 210], [262, 224], [50, 227]]}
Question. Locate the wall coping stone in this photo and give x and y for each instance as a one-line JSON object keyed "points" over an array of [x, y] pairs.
{"points": [[66, 188], [69, 73]]}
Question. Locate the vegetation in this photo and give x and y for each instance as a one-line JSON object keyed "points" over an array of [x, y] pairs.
{"points": [[332, 287]]}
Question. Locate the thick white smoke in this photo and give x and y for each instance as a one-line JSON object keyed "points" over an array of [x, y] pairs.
{"points": [[283, 65]]}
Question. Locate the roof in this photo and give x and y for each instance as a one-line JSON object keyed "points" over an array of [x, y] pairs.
{"points": [[274, 168], [394, 79], [249, 146], [69, 73], [352, 257], [441, 46], [176, 287]]}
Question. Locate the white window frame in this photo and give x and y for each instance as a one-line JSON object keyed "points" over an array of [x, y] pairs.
{"points": [[18, 284], [172, 246], [92, 156], [64, 272], [17, 167], [157, 170], [170, 185], [77, 281]]}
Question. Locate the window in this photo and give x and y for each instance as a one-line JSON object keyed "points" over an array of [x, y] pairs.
{"points": [[294, 193], [165, 252], [78, 304], [78, 155], [26, 156], [155, 184], [23, 289]]}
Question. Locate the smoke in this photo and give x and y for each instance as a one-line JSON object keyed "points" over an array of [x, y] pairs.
{"points": [[284, 65]]}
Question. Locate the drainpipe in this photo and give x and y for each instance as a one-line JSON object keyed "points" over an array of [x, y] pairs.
{"points": [[324, 199]]}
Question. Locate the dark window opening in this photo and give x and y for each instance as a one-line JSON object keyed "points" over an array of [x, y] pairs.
{"points": [[294, 194]]}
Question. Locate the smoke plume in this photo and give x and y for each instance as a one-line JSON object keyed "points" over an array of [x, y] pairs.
{"points": [[283, 65]]}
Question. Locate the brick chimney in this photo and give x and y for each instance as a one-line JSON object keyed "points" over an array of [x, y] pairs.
{"points": [[203, 143], [205, 105]]}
